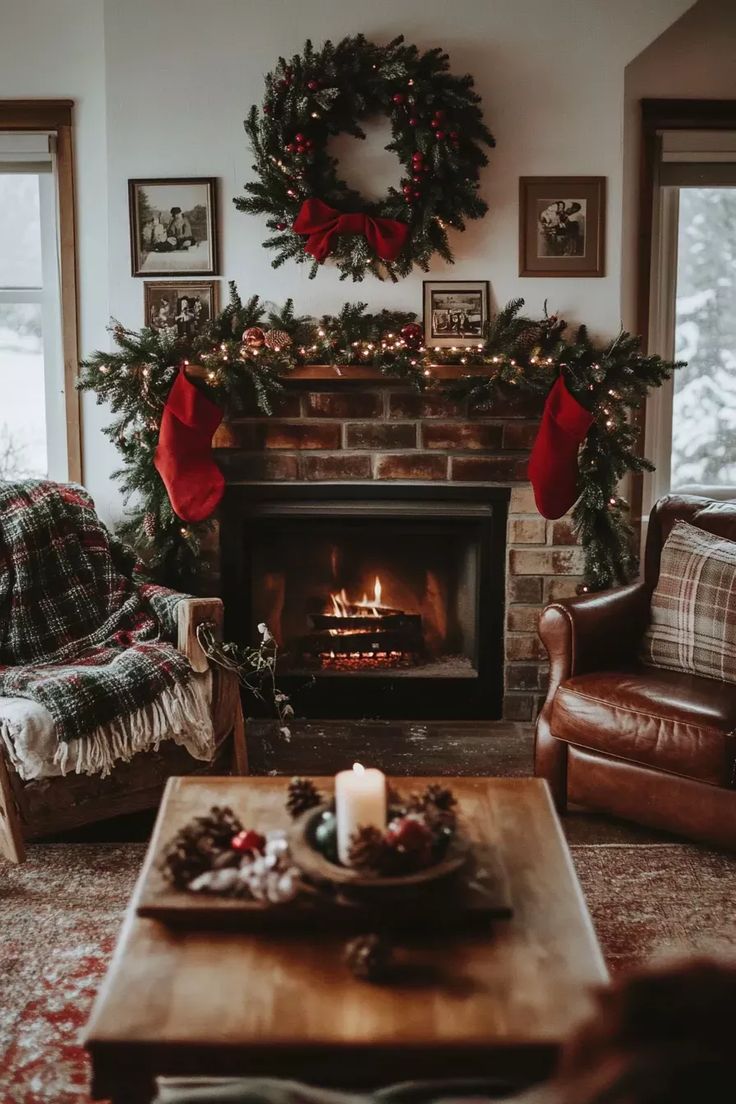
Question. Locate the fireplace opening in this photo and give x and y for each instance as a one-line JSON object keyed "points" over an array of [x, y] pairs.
{"points": [[362, 597], [384, 602]]}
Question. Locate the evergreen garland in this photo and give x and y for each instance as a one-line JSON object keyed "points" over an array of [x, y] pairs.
{"points": [[517, 356], [437, 130]]}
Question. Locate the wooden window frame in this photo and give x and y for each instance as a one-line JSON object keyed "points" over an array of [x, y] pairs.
{"points": [[656, 116], [56, 116]]}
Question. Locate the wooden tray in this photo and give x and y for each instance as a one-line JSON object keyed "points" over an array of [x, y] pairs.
{"points": [[474, 896]]}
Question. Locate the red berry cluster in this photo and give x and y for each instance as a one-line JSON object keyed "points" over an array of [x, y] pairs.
{"points": [[412, 189], [439, 124]]}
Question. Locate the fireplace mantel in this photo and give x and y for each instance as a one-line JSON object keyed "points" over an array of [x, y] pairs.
{"points": [[354, 426]]}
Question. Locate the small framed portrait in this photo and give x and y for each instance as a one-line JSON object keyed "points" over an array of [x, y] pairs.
{"points": [[173, 227], [562, 225], [455, 312], [180, 309]]}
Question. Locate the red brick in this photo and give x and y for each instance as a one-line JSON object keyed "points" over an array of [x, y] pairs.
{"points": [[491, 469], [523, 406], [527, 531], [520, 646], [562, 532], [567, 587], [525, 589], [518, 707], [342, 466], [286, 405], [270, 433], [461, 435], [344, 404], [522, 676], [522, 501], [547, 561], [275, 465], [519, 435], [408, 465], [523, 618], [411, 404], [381, 435]]}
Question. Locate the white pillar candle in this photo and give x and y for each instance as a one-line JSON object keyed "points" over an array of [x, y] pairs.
{"points": [[360, 802]]}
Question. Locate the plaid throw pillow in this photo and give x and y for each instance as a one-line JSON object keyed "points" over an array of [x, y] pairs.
{"points": [[693, 609]]}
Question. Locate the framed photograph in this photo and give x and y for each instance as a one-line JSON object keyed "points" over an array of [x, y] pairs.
{"points": [[173, 227], [455, 312], [181, 309], [562, 225]]}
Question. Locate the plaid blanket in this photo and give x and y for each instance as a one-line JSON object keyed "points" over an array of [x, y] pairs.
{"points": [[78, 633]]}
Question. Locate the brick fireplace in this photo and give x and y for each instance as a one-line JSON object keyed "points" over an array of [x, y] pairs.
{"points": [[353, 433]]}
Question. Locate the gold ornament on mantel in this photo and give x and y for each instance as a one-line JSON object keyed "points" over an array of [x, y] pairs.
{"points": [[254, 337], [277, 340]]}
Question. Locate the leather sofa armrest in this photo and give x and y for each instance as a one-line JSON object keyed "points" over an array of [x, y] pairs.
{"points": [[594, 631], [582, 634], [190, 613]]}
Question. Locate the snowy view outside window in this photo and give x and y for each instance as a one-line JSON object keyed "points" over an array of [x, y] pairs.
{"points": [[22, 406], [704, 413]]}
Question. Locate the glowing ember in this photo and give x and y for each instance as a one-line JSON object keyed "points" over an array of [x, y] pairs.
{"points": [[365, 661]]}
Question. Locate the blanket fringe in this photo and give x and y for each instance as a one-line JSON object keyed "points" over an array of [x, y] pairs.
{"points": [[182, 714]]}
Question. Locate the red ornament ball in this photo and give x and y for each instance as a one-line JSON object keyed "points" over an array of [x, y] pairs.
{"points": [[412, 335], [299, 138], [413, 121], [412, 838], [254, 337], [248, 840], [313, 85], [398, 97], [280, 225], [439, 135]]}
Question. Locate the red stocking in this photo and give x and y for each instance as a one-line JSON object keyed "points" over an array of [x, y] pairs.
{"points": [[183, 457], [553, 465]]}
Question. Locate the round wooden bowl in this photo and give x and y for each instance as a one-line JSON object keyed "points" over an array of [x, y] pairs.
{"points": [[317, 868]]}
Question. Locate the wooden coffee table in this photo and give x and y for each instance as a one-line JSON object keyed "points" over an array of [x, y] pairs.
{"points": [[491, 1002]]}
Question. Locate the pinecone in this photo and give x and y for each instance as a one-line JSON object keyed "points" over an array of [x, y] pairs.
{"points": [[368, 850], [369, 957], [199, 845], [437, 803], [441, 796], [303, 795], [149, 524]]}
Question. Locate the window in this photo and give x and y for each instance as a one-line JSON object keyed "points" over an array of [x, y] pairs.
{"points": [[691, 424], [39, 425]]}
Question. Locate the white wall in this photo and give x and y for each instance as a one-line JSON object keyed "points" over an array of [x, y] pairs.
{"points": [[163, 87]]}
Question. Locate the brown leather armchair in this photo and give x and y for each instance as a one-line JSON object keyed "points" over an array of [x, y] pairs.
{"points": [[649, 745]]}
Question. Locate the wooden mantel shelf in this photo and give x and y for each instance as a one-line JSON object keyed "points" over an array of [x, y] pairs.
{"points": [[347, 373], [337, 372]]}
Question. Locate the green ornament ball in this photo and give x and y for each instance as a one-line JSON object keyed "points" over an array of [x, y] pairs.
{"points": [[325, 836]]}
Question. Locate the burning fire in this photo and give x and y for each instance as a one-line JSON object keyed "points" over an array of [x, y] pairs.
{"points": [[342, 606]]}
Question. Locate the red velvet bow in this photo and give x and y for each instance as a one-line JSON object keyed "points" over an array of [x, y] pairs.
{"points": [[320, 222]]}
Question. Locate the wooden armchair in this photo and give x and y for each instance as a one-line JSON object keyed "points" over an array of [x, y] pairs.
{"points": [[36, 808]]}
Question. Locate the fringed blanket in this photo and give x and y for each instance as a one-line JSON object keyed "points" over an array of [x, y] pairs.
{"points": [[78, 634]]}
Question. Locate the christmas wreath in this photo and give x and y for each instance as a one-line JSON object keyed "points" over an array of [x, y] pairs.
{"points": [[437, 131]]}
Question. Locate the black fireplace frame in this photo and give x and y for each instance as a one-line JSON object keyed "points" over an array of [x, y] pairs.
{"points": [[356, 696]]}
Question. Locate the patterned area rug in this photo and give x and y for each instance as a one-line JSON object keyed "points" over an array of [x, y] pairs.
{"points": [[60, 914]]}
